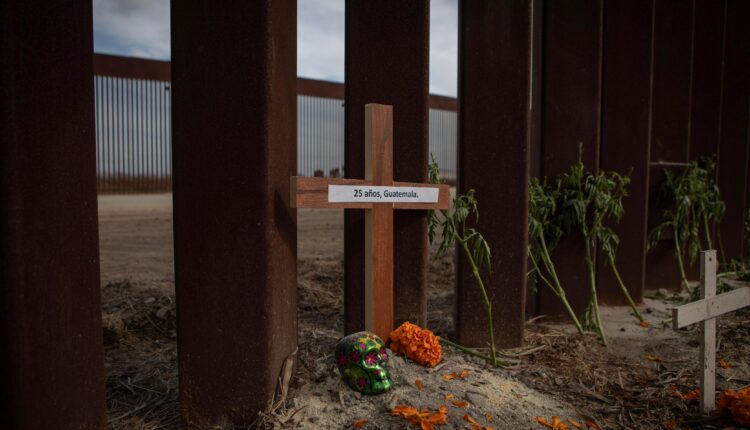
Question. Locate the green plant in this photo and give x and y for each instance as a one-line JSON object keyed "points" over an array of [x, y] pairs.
{"points": [[577, 201], [588, 200], [454, 230], [543, 238], [693, 204]]}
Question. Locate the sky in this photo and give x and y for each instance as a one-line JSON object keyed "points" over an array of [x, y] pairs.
{"points": [[140, 28]]}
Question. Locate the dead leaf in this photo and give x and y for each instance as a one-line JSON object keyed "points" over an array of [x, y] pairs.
{"points": [[644, 324], [724, 365], [653, 358], [419, 384]]}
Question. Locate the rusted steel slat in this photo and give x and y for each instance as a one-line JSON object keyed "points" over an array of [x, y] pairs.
{"points": [[571, 116], [733, 157], [373, 59], [51, 357], [235, 234], [670, 116], [626, 96], [706, 92], [494, 135], [535, 120]]}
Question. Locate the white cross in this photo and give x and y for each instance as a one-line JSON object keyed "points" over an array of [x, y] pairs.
{"points": [[705, 312]]}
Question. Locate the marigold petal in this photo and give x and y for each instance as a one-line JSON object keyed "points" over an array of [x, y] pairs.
{"points": [[543, 421], [460, 404], [359, 424], [575, 423], [419, 384], [592, 425], [468, 418], [452, 375]]}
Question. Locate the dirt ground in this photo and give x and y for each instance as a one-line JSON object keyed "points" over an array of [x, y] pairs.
{"points": [[629, 384]]}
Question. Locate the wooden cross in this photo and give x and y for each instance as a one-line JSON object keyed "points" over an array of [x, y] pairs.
{"points": [[705, 312], [378, 194]]}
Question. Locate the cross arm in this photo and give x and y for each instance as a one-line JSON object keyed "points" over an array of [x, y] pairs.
{"points": [[713, 307], [311, 192]]}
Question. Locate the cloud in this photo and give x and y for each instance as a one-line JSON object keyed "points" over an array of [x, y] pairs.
{"points": [[320, 39], [135, 28], [444, 47], [140, 28]]}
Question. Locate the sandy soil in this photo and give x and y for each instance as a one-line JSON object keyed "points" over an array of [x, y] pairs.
{"points": [[630, 384]]}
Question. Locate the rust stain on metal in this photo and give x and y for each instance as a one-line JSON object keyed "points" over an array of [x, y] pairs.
{"points": [[234, 131], [624, 147], [51, 351], [571, 115], [494, 69]]}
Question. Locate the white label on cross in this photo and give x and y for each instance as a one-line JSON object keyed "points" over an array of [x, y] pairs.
{"points": [[705, 312], [380, 194]]}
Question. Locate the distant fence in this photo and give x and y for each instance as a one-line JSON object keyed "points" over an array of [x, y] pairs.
{"points": [[134, 135]]}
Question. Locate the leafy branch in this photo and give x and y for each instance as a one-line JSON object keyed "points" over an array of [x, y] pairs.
{"points": [[578, 201], [544, 236], [694, 204], [454, 229]]}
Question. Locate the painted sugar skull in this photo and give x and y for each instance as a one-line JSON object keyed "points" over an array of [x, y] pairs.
{"points": [[361, 358]]}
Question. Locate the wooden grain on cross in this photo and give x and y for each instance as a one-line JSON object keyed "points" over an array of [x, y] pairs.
{"points": [[378, 195], [705, 312]]}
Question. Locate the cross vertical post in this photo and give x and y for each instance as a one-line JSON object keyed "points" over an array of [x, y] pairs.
{"points": [[708, 328], [379, 221]]}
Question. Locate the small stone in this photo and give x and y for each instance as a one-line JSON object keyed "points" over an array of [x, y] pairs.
{"points": [[149, 300], [161, 313]]}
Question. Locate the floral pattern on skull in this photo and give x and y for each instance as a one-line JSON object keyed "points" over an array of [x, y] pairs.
{"points": [[362, 359]]}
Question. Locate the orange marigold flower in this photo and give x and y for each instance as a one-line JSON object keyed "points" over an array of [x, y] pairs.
{"points": [[417, 344], [737, 403]]}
